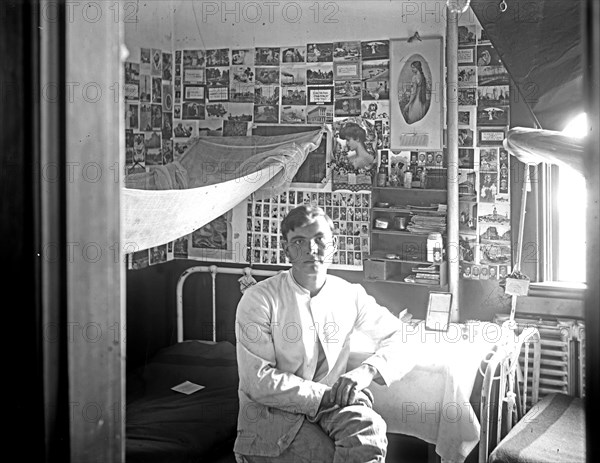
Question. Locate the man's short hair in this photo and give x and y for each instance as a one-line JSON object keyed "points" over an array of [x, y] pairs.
{"points": [[301, 216]]}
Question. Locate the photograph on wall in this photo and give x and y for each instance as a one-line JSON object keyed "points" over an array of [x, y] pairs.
{"points": [[145, 88], [215, 94], [320, 95], [293, 96], [132, 116], [240, 112], [217, 57], [266, 56], [241, 93], [492, 75], [167, 126], [131, 92], [467, 222], [347, 107], [319, 52], [156, 62], [167, 151], [242, 57], [216, 110], [346, 51], [193, 92], [132, 73], [145, 58], [194, 59], [493, 95], [466, 55], [235, 128], [375, 80], [346, 71], [180, 247], [466, 97], [145, 117], [267, 75], [494, 233], [488, 159], [466, 35], [491, 137], [167, 97], [467, 76], [465, 116], [492, 115], [153, 148], [266, 94], [319, 114], [375, 109], [167, 66], [347, 89], [293, 115], [293, 54], [494, 213], [494, 254], [467, 248], [210, 127], [375, 49], [192, 110], [354, 155], [467, 187], [487, 56], [488, 187], [319, 74], [465, 138], [217, 77], [293, 75], [266, 113], [416, 87], [156, 117], [156, 90]]}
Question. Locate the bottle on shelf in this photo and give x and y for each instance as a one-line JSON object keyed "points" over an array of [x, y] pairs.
{"points": [[434, 247], [382, 176]]}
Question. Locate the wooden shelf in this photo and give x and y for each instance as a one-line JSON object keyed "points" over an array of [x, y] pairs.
{"points": [[402, 282], [401, 188], [399, 232], [376, 255]]}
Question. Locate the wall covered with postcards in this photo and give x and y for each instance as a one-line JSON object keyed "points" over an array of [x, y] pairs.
{"points": [[484, 196], [174, 96]]}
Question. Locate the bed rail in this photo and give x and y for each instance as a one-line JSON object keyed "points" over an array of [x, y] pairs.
{"points": [[511, 386], [213, 270]]}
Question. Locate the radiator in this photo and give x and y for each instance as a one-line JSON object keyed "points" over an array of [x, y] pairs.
{"points": [[562, 366]]}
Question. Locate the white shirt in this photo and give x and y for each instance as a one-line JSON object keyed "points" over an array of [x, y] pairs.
{"points": [[278, 327]]}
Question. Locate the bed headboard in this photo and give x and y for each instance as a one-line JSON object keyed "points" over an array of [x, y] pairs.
{"points": [[213, 270]]}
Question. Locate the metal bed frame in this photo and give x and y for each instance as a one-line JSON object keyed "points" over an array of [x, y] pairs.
{"points": [[213, 270]]}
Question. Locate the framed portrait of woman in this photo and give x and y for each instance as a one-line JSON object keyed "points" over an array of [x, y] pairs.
{"points": [[416, 93]]}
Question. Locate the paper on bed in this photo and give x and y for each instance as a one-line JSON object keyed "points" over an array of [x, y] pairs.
{"points": [[187, 387]]}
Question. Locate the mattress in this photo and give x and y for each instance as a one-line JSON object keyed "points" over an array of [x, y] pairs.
{"points": [[551, 432], [170, 427]]}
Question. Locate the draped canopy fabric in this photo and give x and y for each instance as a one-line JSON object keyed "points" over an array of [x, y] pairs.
{"points": [[212, 176], [533, 146], [540, 43]]}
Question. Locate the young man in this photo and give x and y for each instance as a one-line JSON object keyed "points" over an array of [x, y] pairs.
{"points": [[297, 402]]}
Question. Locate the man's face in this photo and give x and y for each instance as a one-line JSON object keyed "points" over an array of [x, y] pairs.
{"points": [[310, 248]]}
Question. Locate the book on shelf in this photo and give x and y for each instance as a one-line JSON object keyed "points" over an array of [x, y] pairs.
{"points": [[428, 276]]}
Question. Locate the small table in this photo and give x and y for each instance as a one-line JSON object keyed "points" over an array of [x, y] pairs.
{"points": [[431, 401]]}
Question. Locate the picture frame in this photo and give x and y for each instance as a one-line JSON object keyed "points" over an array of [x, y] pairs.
{"points": [[438, 311], [489, 137], [416, 118], [466, 55], [320, 95]]}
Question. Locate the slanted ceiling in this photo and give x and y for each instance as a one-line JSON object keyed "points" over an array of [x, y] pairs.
{"points": [[540, 44]]}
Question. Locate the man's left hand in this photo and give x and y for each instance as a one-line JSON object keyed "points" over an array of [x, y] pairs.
{"points": [[344, 390]]}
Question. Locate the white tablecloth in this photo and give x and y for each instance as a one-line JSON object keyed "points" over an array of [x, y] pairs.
{"points": [[431, 402]]}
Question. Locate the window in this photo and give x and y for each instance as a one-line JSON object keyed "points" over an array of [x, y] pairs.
{"points": [[561, 202]]}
